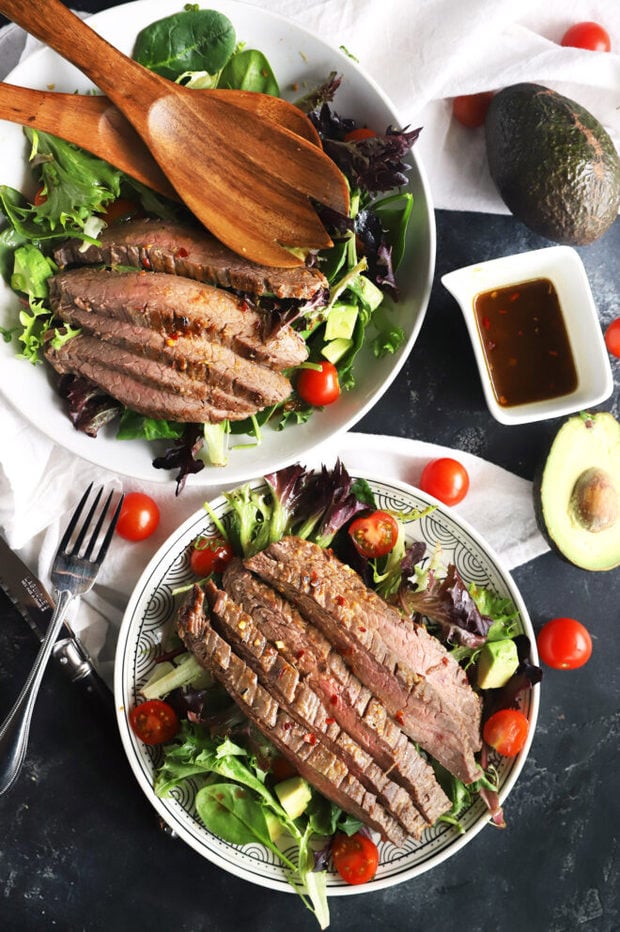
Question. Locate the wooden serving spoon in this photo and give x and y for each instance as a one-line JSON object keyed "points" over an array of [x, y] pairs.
{"points": [[248, 180], [94, 123]]}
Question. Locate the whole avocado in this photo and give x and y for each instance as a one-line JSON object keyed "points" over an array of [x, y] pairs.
{"points": [[553, 163]]}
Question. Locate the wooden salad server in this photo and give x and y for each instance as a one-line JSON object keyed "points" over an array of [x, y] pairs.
{"points": [[93, 122], [247, 180]]}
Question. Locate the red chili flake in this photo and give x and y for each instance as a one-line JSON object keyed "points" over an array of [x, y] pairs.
{"points": [[300, 654], [333, 699], [182, 252], [330, 721], [503, 311], [486, 323], [400, 717], [514, 296], [287, 725], [340, 600], [314, 576], [146, 262], [310, 738], [553, 352], [363, 630]]}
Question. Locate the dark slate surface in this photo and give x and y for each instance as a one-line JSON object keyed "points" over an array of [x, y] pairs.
{"points": [[81, 849]]}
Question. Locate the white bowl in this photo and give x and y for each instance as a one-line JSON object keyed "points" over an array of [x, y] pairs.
{"points": [[299, 59], [562, 266], [152, 610]]}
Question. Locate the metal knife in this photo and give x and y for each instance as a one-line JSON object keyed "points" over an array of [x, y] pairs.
{"points": [[35, 604]]}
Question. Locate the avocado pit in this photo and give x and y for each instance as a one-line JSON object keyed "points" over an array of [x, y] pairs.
{"points": [[595, 503]]}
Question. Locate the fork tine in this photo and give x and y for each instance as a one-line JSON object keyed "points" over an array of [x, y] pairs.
{"points": [[86, 525], [66, 537], [111, 528]]}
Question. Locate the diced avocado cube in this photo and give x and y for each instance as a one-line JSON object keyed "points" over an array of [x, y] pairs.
{"points": [[497, 662], [294, 794], [274, 826], [341, 322], [335, 349], [369, 294]]}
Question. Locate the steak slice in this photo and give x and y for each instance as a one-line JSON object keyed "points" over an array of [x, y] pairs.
{"points": [[343, 614], [147, 386], [350, 703], [193, 356], [409, 643], [283, 681], [176, 307], [192, 252], [312, 759]]}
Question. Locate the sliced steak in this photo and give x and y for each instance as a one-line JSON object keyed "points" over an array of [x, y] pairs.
{"points": [[320, 592], [147, 386], [306, 751], [195, 357], [181, 249], [409, 643], [283, 681], [175, 307], [349, 702]]}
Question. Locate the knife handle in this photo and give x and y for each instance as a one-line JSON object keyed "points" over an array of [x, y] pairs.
{"points": [[80, 670]]}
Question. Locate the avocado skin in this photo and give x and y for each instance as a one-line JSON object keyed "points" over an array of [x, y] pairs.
{"points": [[583, 441], [554, 165]]}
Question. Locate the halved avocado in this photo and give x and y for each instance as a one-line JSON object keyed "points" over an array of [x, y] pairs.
{"points": [[578, 493]]}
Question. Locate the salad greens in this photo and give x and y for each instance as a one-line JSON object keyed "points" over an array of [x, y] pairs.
{"points": [[75, 191]]}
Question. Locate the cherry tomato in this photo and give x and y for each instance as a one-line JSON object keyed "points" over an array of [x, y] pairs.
{"points": [[139, 516], [564, 643], [446, 479], [319, 387], [471, 109], [588, 35], [154, 721], [506, 731], [362, 132], [356, 857], [612, 337], [210, 555], [121, 209], [40, 197], [375, 534]]}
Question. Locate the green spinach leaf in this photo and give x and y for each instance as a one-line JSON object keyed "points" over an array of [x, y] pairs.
{"points": [[249, 70], [193, 40]]}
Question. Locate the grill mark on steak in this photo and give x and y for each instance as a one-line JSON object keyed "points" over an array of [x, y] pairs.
{"points": [[296, 698], [176, 307], [181, 249], [315, 762], [351, 704], [420, 710], [146, 386], [195, 357]]}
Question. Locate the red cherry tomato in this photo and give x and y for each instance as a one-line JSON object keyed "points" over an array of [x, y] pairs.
{"points": [[506, 731], [356, 857], [362, 132], [612, 337], [139, 516], [446, 479], [319, 387], [40, 196], [564, 643], [210, 555], [375, 534], [154, 721], [587, 35], [121, 209], [471, 109]]}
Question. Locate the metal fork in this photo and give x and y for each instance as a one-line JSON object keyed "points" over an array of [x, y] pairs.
{"points": [[74, 571]]}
